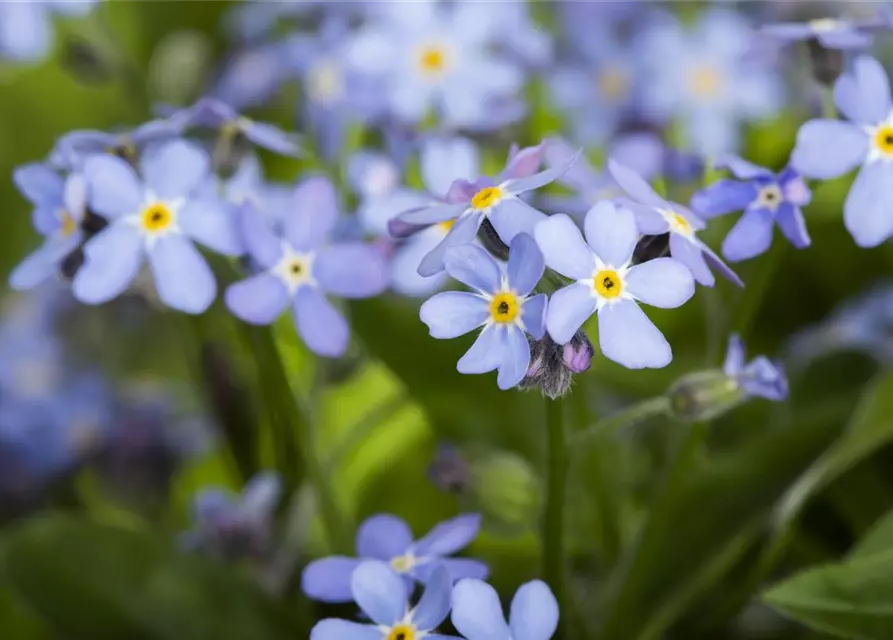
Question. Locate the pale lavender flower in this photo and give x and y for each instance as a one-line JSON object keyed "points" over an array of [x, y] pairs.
{"points": [[26, 30], [760, 377], [831, 33]]}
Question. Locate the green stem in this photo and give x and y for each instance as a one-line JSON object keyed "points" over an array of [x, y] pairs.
{"points": [[637, 413], [829, 108], [553, 521]]}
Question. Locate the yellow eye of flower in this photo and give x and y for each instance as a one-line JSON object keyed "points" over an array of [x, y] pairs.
{"points": [[681, 223], [504, 308], [69, 225], [433, 60], [402, 632], [486, 198], [613, 83], [157, 217], [705, 81], [402, 564], [884, 139], [446, 225], [607, 283]]}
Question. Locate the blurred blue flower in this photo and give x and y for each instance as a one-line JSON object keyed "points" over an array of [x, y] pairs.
{"points": [[383, 597], [26, 27], [301, 268], [388, 538], [74, 147], [766, 199], [606, 284], [59, 207], [477, 612], [468, 203], [251, 76], [656, 216], [760, 377], [830, 148], [156, 217], [502, 304], [235, 526], [831, 33], [706, 79], [432, 56]]}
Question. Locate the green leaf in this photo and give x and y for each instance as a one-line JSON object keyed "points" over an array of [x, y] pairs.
{"points": [[91, 580], [851, 600], [878, 540]]}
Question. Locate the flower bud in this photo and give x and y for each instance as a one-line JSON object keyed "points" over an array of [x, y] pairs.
{"points": [[552, 365], [704, 395], [827, 64], [450, 470], [505, 488]]}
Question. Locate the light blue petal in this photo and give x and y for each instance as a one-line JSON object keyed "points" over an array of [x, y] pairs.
{"points": [[690, 254], [537, 180], [379, 592], [533, 313], [405, 278], [485, 354], [273, 138], [751, 235], [723, 197], [628, 337], [477, 612], [634, 185], [568, 309], [351, 270], [534, 612], [829, 148], [328, 579], [40, 184], [182, 277], [75, 195], [463, 232], [525, 162], [648, 220], [444, 160], [473, 266], [25, 31], [716, 263], [175, 169], [436, 600], [434, 214], [314, 215], [663, 282], [734, 362], [261, 495], [793, 226], [449, 536], [515, 359], [42, 264], [612, 233], [868, 210], [213, 223], [334, 629], [375, 212], [112, 260], [513, 216], [741, 168], [115, 190], [260, 242], [563, 247], [863, 93], [322, 327], [383, 537], [845, 39], [461, 568], [453, 313], [259, 299]]}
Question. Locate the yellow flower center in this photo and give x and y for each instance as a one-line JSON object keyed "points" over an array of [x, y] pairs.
{"points": [[680, 223], [613, 83], [432, 60], [486, 198], [446, 225], [402, 632], [157, 217], [607, 283], [504, 308], [705, 81], [823, 25], [69, 225], [883, 139], [403, 564]]}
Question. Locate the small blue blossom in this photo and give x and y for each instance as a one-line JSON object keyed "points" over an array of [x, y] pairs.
{"points": [[766, 199], [760, 377], [656, 216], [383, 597], [502, 304], [59, 208], [830, 148], [253, 75], [74, 147], [156, 217], [26, 27], [301, 268], [477, 612], [831, 33], [389, 539]]}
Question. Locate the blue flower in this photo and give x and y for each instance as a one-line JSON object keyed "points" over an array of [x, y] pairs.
{"points": [[469, 203], [830, 148], [74, 147], [253, 75], [477, 612], [26, 27], [388, 538], [760, 377], [766, 199], [301, 268], [156, 217], [382, 596], [656, 216], [705, 79], [831, 33], [502, 304], [59, 207], [608, 285]]}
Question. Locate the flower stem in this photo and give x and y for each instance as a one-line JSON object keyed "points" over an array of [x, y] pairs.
{"points": [[637, 413], [553, 520]]}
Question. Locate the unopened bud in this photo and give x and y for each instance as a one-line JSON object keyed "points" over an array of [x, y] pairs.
{"points": [[450, 470], [552, 365], [704, 395], [505, 488], [827, 64]]}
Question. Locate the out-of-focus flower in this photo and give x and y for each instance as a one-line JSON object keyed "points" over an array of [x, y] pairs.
{"points": [[470, 203], [657, 216], [830, 148], [766, 199], [235, 526], [705, 79], [156, 217], [477, 612], [59, 208], [389, 539], [26, 30], [301, 268], [830, 33], [502, 304], [606, 284], [432, 56], [449, 471], [760, 378], [253, 75], [383, 597]]}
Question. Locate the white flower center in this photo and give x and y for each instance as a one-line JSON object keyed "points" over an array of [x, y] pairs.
{"points": [[823, 25], [770, 197], [326, 83], [295, 269]]}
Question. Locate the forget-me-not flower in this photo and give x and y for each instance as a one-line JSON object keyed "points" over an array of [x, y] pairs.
{"points": [[766, 198], [383, 597], [477, 612], [830, 148], [157, 217], [607, 284], [74, 147], [301, 268], [503, 304], [26, 30], [831, 33], [760, 377], [389, 539]]}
